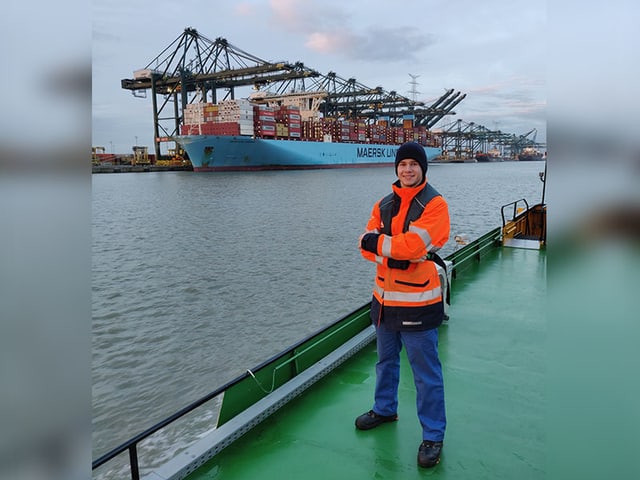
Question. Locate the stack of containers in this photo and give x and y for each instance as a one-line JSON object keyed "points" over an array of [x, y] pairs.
{"points": [[282, 131], [378, 134], [240, 117], [220, 128], [409, 134], [361, 129], [433, 140], [420, 134], [397, 135], [319, 128], [353, 131], [407, 121], [190, 130], [193, 117], [290, 114], [239, 112], [347, 129], [246, 117], [264, 121], [210, 112], [330, 129], [194, 114], [310, 130], [205, 119], [288, 122]]}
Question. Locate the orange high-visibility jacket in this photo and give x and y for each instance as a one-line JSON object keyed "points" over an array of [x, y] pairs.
{"points": [[408, 297]]}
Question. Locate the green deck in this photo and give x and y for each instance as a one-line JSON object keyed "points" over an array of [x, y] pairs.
{"points": [[492, 351]]}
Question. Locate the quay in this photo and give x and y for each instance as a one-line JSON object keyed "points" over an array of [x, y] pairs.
{"points": [[140, 168]]}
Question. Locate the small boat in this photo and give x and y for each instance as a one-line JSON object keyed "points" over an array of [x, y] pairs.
{"points": [[292, 416]]}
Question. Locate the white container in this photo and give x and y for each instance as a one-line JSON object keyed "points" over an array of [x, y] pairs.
{"points": [[143, 73]]}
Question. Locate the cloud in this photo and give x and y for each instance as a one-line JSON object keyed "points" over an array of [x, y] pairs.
{"points": [[485, 89], [102, 35], [389, 45], [514, 98], [325, 43], [289, 14], [332, 31], [385, 45], [244, 10], [515, 81]]}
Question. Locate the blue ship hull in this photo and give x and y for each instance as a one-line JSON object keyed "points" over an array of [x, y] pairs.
{"points": [[211, 153]]}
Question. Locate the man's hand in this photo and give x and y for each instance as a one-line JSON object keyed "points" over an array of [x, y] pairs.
{"points": [[369, 242]]}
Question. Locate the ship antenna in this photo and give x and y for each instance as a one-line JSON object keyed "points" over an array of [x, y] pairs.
{"points": [[543, 178]]}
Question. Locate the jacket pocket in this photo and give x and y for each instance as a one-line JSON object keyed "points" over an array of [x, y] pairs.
{"points": [[412, 284]]}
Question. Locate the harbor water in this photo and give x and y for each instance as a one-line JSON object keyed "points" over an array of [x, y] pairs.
{"points": [[198, 277]]}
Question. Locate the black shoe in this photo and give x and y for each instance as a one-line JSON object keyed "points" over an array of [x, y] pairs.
{"points": [[429, 453], [371, 419]]}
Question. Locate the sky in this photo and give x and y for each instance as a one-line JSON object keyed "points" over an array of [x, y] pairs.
{"points": [[493, 51], [509, 56]]}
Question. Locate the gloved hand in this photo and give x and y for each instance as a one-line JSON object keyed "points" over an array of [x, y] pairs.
{"points": [[399, 264], [369, 242]]}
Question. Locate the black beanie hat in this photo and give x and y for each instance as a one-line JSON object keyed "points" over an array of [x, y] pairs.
{"points": [[415, 151]]}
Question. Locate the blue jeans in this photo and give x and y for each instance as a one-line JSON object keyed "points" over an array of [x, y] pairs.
{"points": [[422, 351]]}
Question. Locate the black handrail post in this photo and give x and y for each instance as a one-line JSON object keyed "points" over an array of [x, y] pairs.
{"points": [[133, 462]]}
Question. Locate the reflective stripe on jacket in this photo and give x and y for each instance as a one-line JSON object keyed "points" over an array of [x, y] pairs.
{"points": [[412, 222]]}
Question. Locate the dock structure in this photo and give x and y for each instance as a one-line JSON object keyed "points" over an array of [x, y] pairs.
{"points": [[463, 141]]}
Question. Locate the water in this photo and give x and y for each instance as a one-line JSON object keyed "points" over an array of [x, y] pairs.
{"points": [[197, 277]]}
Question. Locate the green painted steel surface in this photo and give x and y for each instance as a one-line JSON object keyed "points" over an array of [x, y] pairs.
{"points": [[492, 350], [273, 374]]}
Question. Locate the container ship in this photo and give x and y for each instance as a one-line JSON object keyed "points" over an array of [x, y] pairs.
{"points": [[530, 154], [492, 155], [269, 132]]}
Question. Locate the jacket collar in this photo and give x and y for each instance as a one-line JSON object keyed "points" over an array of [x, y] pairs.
{"points": [[407, 193]]}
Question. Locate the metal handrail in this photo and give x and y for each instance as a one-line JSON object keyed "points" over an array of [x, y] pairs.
{"points": [[460, 258], [515, 211], [131, 444]]}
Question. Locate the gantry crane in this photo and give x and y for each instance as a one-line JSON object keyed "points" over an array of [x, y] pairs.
{"points": [[352, 99], [462, 140], [194, 68]]}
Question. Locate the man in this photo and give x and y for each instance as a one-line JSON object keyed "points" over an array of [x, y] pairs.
{"points": [[405, 230]]}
